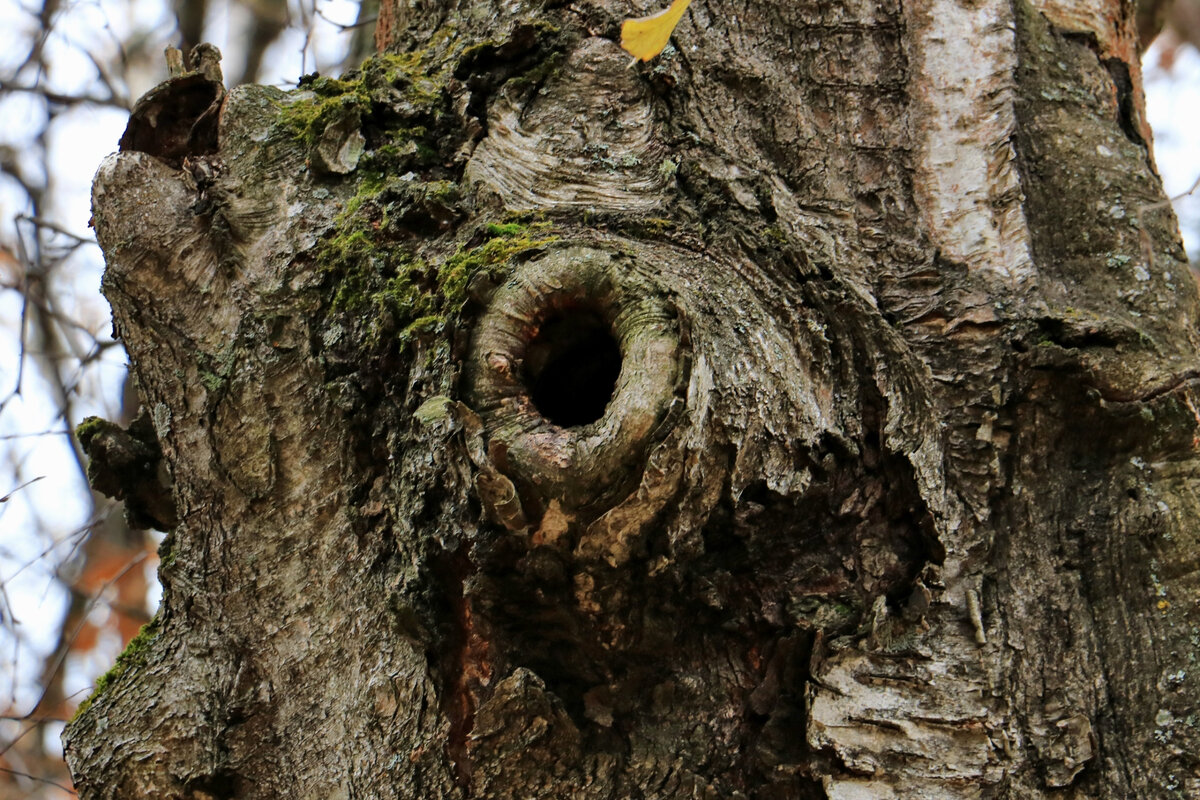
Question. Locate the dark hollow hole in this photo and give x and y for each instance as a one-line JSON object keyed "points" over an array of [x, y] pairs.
{"points": [[571, 368]]}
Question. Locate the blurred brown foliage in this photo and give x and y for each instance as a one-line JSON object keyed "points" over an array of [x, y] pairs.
{"points": [[1177, 20]]}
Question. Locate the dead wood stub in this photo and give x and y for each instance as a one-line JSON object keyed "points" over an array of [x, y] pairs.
{"points": [[180, 117]]}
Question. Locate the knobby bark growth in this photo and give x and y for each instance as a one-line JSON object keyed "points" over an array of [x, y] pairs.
{"points": [[809, 413]]}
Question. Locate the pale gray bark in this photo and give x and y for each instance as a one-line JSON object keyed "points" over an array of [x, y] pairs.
{"points": [[894, 496]]}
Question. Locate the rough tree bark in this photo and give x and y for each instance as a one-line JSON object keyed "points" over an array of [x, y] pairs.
{"points": [[808, 413]]}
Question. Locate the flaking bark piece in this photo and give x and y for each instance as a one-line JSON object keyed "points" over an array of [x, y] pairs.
{"points": [[341, 145], [179, 117]]}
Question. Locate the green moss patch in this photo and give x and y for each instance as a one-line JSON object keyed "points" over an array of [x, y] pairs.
{"points": [[387, 272], [399, 101], [87, 430], [506, 242], [379, 279], [402, 84], [132, 657]]}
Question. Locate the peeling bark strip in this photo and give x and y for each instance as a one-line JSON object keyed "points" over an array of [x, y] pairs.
{"points": [[807, 414], [965, 178]]}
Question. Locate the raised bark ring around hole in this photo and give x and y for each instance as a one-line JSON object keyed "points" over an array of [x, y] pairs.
{"points": [[555, 337]]}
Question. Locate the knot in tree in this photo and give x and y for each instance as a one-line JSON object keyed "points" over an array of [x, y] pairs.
{"points": [[573, 369]]}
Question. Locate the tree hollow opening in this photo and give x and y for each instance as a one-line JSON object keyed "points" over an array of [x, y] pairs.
{"points": [[572, 366]]}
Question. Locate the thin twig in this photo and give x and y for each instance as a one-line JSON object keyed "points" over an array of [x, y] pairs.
{"points": [[343, 27], [6, 497], [87, 609], [55, 227], [61, 99], [55, 784]]}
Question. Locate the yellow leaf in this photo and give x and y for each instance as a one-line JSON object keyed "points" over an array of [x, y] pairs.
{"points": [[646, 37]]}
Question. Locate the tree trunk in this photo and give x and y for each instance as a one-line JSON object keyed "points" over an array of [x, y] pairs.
{"points": [[810, 412]]}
